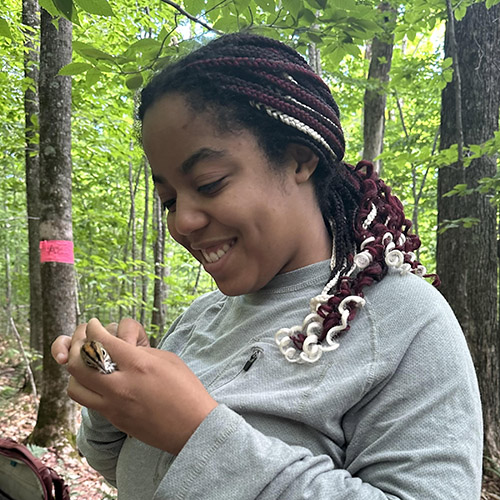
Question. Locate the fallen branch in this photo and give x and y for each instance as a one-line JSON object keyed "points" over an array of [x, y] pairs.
{"points": [[28, 367]]}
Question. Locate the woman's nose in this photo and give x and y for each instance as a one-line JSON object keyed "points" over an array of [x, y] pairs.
{"points": [[188, 217]]}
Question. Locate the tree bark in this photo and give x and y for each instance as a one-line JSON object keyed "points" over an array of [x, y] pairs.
{"points": [[133, 246], [314, 54], [56, 413], [8, 290], [158, 316], [376, 94], [467, 258], [144, 276], [30, 19]]}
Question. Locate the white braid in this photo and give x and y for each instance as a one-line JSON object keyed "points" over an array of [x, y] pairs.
{"points": [[295, 123], [305, 106]]}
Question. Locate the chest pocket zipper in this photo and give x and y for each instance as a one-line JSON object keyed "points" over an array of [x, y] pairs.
{"points": [[256, 353], [254, 356]]}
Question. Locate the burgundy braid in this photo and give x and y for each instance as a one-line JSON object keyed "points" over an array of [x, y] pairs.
{"points": [[257, 83]]}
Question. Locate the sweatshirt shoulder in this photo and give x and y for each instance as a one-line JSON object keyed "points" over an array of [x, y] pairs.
{"points": [[405, 310], [407, 298]]}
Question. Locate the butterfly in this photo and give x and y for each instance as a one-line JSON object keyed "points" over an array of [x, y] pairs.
{"points": [[95, 356]]}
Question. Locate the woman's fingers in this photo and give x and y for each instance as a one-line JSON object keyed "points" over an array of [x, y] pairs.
{"points": [[60, 349], [132, 332]]}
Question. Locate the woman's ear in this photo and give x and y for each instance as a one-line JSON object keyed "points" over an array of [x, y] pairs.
{"points": [[304, 161]]}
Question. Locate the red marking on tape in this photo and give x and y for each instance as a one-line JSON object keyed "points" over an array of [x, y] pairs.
{"points": [[57, 251]]}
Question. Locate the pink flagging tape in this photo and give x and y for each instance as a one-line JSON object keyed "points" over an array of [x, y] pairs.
{"points": [[57, 251]]}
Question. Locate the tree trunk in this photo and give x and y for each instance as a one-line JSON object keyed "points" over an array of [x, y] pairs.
{"points": [[56, 412], [133, 246], [144, 276], [30, 19], [8, 290], [376, 94], [467, 258], [314, 58], [159, 294]]}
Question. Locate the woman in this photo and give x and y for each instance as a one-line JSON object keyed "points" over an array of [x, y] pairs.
{"points": [[325, 366]]}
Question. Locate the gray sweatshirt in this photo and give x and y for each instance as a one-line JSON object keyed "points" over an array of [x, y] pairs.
{"points": [[393, 413]]}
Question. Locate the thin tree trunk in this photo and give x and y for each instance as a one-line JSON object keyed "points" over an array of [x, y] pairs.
{"points": [[30, 19], [159, 294], [8, 290], [376, 94], [467, 258], [314, 58], [133, 246], [144, 244], [56, 413]]}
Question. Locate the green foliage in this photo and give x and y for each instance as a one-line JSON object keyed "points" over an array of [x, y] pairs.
{"points": [[37, 451], [4, 28], [118, 45], [456, 223]]}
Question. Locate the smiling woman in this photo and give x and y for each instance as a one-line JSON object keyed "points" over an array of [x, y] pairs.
{"points": [[227, 205], [324, 366]]}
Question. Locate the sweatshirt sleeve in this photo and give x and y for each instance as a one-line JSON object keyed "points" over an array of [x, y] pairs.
{"points": [[100, 442], [415, 433]]}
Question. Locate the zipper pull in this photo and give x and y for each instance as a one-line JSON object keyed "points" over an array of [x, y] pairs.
{"points": [[257, 351]]}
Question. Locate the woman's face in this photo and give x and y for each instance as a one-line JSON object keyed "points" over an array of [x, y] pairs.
{"points": [[243, 221]]}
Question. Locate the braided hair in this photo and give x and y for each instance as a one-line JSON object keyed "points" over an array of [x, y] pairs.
{"points": [[259, 84]]}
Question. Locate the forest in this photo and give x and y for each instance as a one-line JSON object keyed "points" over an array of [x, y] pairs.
{"points": [[418, 86]]}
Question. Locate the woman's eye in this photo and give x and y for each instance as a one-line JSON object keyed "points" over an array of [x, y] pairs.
{"points": [[212, 187], [169, 205]]}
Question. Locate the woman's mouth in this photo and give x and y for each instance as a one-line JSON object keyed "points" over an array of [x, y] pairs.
{"points": [[214, 254]]}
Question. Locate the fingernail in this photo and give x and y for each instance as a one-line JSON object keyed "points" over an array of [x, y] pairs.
{"points": [[61, 358]]}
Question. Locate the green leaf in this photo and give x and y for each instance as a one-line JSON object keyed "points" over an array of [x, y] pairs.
{"points": [[97, 7], [491, 3], [49, 6], [460, 12], [74, 68], [194, 7], [134, 82], [266, 5], [447, 62], [448, 76], [314, 38], [65, 7], [308, 16], [352, 49], [92, 76], [90, 52], [241, 5], [294, 7], [316, 4], [143, 45], [4, 28]]}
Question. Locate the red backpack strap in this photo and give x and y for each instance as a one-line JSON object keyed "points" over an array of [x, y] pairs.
{"points": [[61, 489]]}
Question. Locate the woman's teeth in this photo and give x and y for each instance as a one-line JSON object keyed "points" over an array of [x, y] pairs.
{"points": [[212, 257]]}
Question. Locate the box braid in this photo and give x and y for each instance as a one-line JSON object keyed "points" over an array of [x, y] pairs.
{"points": [[256, 83]]}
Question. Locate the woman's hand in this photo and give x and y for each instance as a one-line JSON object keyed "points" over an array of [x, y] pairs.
{"points": [[153, 396], [128, 329]]}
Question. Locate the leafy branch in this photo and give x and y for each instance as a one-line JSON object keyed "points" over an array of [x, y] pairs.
{"points": [[191, 17]]}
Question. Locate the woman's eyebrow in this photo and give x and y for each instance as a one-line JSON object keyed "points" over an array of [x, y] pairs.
{"points": [[202, 154], [189, 163]]}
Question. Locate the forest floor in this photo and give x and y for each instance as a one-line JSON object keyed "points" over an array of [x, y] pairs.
{"points": [[18, 418]]}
